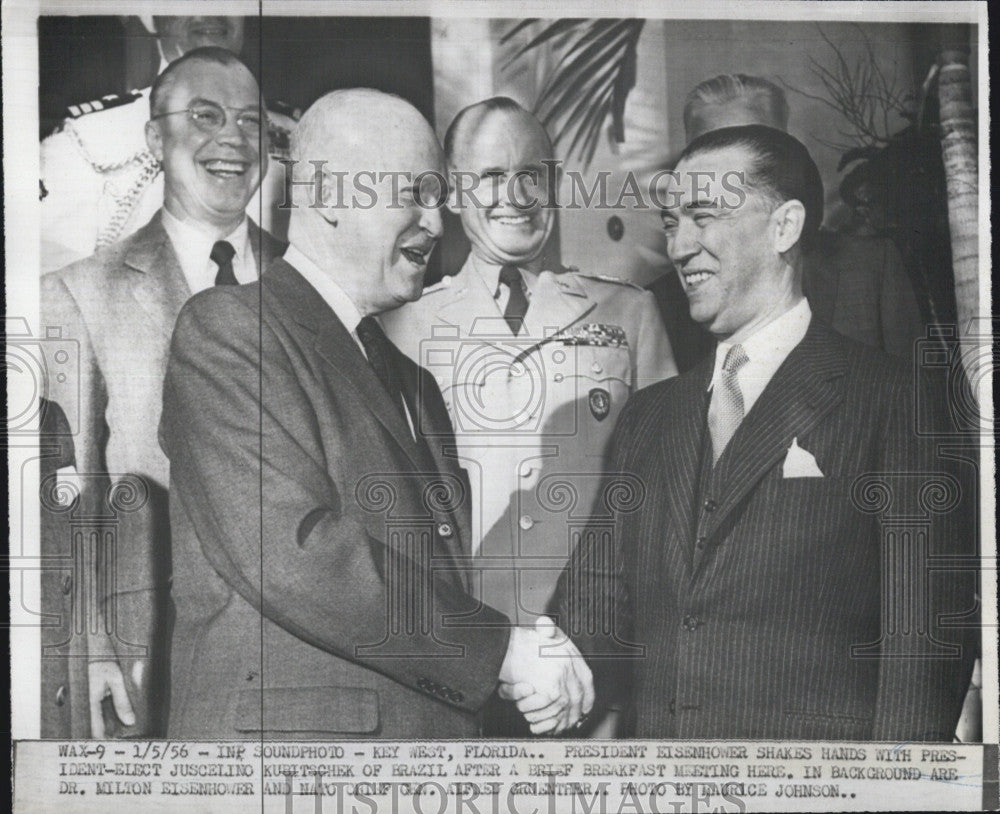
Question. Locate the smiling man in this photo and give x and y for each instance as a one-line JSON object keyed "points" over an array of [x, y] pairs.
{"points": [[536, 360], [119, 305], [100, 182], [776, 587], [321, 532]]}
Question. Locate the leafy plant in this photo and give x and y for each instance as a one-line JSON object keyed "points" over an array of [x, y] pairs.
{"points": [[592, 80]]}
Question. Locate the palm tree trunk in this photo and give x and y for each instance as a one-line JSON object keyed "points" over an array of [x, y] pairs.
{"points": [[958, 149]]}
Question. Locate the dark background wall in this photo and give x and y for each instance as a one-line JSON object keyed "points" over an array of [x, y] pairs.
{"points": [[296, 59]]}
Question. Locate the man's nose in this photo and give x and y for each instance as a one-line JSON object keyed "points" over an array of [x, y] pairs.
{"points": [[683, 244], [431, 222], [232, 133]]}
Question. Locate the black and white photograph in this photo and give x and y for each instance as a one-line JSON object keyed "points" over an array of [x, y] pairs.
{"points": [[480, 406]]}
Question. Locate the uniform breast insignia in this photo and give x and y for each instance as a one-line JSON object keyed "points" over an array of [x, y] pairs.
{"points": [[595, 334], [600, 403]]}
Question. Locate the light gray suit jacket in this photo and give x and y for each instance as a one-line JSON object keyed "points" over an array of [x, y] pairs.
{"points": [[118, 307]]}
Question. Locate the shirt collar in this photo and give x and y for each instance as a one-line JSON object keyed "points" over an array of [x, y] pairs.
{"points": [[333, 295], [192, 243], [766, 349], [490, 274]]}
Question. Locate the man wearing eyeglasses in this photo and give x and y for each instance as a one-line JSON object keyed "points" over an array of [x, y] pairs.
{"points": [[206, 128], [99, 180]]}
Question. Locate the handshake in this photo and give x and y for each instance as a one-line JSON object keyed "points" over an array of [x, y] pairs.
{"points": [[547, 677]]}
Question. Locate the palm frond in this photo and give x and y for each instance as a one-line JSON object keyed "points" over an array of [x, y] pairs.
{"points": [[591, 81]]}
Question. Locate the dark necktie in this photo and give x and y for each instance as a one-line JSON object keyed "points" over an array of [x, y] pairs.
{"points": [[222, 255], [379, 352], [517, 303]]}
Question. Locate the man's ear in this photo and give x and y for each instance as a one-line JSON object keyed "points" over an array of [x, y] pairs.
{"points": [[329, 198], [154, 140], [454, 183], [787, 222]]}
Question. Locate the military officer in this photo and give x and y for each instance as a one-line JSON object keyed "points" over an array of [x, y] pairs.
{"points": [[100, 182], [535, 360]]}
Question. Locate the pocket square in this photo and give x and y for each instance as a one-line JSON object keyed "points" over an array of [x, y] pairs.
{"points": [[800, 463]]}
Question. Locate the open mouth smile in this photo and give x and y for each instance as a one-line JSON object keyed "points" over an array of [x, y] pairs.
{"points": [[416, 255], [225, 169]]}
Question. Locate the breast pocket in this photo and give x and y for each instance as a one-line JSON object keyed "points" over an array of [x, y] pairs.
{"points": [[605, 384]]}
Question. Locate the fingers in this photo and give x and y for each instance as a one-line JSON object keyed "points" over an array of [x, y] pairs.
{"points": [[96, 718], [119, 698], [104, 678], [515, 692]]}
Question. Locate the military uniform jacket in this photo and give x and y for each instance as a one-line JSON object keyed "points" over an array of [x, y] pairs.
{"points": [[100, 183], [533, 413]]}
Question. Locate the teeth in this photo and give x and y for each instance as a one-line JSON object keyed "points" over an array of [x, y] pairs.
{"points": [[512, 220], [697, 277], [220, 166]]}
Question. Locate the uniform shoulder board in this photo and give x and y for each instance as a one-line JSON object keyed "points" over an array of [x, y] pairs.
{"points": [[284, 109], [609, 278], [104, 103], [442, 285]]}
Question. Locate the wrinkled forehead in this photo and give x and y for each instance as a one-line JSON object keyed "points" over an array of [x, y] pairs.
{"points": [[228, 85], [502, 139], [703, 177]]}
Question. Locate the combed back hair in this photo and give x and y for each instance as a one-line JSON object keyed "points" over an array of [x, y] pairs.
{"points": [[502, 104], [760, 95], [163, 83], [781, 169]]}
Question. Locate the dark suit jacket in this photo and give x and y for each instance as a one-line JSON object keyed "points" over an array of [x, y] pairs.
{"points": [[319, 578], [117, 309], [758, 613]]}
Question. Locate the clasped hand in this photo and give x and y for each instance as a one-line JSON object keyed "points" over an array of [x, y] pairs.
{"points": [[547, 678]]}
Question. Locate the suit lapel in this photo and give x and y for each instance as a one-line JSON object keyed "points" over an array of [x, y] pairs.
{"points": [[807, 386], [338, 349], [159, 287], [431, 422], [683, 427]]}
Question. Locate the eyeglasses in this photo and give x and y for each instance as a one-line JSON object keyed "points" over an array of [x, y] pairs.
{"points": [[211, 118]]}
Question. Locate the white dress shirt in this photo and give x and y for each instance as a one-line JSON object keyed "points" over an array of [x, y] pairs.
{"points": [[193, 243], [338, 300], [766, 349]]}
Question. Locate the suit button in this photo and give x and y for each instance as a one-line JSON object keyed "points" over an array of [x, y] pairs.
{"points": [[67, 583], [709, 505], [445, 530], [526, 521], [61, 695], [699, 543], [690, 623]]}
